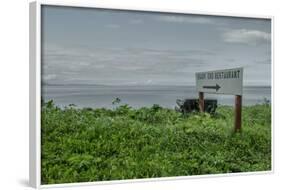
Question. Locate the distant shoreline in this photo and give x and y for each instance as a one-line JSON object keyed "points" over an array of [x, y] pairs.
{"points": [[151, 85]]}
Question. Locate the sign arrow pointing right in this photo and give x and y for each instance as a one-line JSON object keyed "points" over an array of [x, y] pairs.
{"points": [[217, 87]]}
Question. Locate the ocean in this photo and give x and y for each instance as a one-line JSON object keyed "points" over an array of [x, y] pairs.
{"points": [[98, 96]]}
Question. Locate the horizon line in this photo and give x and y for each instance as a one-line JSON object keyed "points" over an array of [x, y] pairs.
{"points": [[89, 84]]}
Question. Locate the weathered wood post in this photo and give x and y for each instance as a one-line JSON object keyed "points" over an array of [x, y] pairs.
{"points": [[238, 110], [201, 101]]}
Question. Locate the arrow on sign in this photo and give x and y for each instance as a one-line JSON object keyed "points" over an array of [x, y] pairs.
{"points": [[217, 87]]}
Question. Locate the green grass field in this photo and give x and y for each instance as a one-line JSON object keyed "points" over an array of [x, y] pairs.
{"points": [[82, 145]]}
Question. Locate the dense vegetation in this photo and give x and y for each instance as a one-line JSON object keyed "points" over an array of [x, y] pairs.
{"points": [[82, 145]]}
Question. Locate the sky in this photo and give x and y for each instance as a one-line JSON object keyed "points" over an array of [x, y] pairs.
{"points": [[113, 47]]}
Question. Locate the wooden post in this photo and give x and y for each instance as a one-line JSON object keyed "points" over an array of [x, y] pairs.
{"points": [[238, 108], [201, 101]]}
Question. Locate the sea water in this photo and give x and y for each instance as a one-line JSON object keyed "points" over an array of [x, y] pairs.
{"points": [[97, 96]]}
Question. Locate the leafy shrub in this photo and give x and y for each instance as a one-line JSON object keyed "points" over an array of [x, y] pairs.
{"points": [[81, 145]]}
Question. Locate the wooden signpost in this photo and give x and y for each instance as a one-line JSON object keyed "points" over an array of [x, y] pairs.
{"points": [[228, 81]]}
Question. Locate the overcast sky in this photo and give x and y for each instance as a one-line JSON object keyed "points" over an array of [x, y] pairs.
{"points": [[97, 46]]}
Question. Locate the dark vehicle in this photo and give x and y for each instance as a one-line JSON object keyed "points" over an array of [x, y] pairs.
{"points": [[191, 105]]}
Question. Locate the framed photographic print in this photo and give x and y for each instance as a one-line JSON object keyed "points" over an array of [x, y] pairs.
{"points": [[127, 95]]}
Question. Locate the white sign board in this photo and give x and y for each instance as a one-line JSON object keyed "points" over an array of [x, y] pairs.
{"points": [[228, 81]]}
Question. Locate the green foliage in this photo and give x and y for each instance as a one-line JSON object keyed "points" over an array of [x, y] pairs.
{"points": [[82, 145]]}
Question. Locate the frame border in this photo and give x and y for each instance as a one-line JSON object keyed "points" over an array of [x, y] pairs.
{"points": [[35, 94], [35, 89]]}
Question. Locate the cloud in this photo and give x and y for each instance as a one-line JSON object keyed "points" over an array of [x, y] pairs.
{"points": [[112, 26], [120, 65], [134, 66], [264, 61], [244, 36], [231, 60], [171, 52], [135, 21], [49, 77], [84, 63], [149, 81], [185, 19], [68, 72]]}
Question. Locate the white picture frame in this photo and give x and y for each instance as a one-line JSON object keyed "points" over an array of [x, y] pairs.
{"points": [[35, 89]]}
